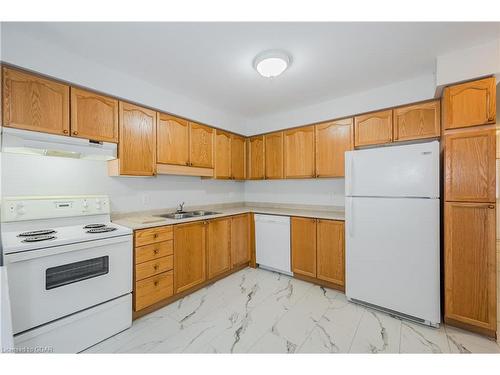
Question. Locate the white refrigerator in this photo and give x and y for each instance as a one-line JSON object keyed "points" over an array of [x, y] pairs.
{"points": [[392, 230]]}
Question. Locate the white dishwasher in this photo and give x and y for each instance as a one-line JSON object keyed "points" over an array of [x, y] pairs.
{"points": [[272, 243]]}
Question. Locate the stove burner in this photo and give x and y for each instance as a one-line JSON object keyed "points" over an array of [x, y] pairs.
{"points": [[101, 230], [42, 232], [39, 238], [92, 226]]}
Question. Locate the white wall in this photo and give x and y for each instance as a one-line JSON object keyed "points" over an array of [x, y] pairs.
{"points": [[38, 175]]}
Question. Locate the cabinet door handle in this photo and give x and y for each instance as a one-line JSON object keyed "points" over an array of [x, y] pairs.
{"points": [[491, 206], [156, 283], [65, 131], [75, 133]]}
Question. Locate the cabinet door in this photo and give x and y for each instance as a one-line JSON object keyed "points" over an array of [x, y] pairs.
{"points": [[299, 152], [137, 146], [303, 242], [256, 158], [240, 240], [333, 139], [172, 140], [330, 251], [219, 246], [373, 128], [222, 154], [34, 103], [417, 121], [201, 147], [470, 166], [274, 155], [238, 157], [94, 116], [470, 292], [189, 255], [470, 104]]}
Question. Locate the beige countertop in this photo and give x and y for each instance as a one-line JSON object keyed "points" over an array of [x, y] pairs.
{"points": [[149, 219]]}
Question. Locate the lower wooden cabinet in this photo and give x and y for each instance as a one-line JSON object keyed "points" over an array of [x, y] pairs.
{"points": [[219, 246], [303, 242], [469, 266], [240, 240], [153, 289]]}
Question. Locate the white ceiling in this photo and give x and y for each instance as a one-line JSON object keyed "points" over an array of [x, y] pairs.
{"points": [[212, 62]]}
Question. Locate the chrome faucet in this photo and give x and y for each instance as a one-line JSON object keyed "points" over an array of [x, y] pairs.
{"points": [[180, 209]]}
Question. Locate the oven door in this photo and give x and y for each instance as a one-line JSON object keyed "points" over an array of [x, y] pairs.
{"points": [[51, 283]]}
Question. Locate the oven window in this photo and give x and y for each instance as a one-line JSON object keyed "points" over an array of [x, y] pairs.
{"points": [[74, 272]]}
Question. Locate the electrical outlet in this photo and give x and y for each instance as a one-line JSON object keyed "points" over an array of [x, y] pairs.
{"points": [[146, 200]]}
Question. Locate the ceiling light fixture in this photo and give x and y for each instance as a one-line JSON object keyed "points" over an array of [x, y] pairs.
{"points": [[271, 63]]}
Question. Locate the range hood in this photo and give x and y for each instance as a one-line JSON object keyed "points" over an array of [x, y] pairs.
{"points": [[35, 143]]}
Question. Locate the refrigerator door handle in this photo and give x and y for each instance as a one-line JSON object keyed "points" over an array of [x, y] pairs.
{"points": [[349, 173], [351, 218]]}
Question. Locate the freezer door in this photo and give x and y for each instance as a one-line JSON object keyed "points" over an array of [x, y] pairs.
{"points": [[392, 254], [395, 171]]}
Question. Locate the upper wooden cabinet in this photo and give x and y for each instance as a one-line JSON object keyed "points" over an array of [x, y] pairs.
{"points": [[172, 140], [201, 145], [303, 244], [417, 121], [222, 154], [299, 152], [34, 103], [137, 146], [333, 139], [240, 240], [330, 251], [373, 128], [273, 144], [469, 159], [470, 104], [255, 158], [238, 157], [93, 116], [219, 246]]}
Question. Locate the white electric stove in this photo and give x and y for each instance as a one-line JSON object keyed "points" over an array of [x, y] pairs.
{"points": [[69, 270]]}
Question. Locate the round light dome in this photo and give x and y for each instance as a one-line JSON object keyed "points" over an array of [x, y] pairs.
{"points": [[271, 64]]}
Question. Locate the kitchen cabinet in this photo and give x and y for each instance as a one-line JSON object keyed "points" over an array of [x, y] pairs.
{"points": [[153, 289], [240, 240], [256, 162], [422, 120], [303, 243], [219, 246], [238, 157], [222, 155], [34, 103], [273, 153], [189, 255], [330, 251], [469, 257], [201, 145], [470, 104], [469, 158], [299, 152], [373, 128], [333, 139], [93, 116], [172, 140], [137, 146]]}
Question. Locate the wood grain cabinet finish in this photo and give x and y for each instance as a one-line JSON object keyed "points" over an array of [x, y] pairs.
{"points": [[153, 251], [417, 121], [172, 140], [470, 104], [153, 289], [93, 116], [330, 251], [240, 240], [153, 267], [34, 103], [470, 272], [222, 155], [299, 152], [333, 139], [303, 244], [238, 157], [469, 159], [273, 153], [201, 145], [137, 146], [373, 128], [219, 246], [256, 162], [189, 255]]}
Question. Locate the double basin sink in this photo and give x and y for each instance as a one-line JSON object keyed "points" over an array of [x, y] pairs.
{"points": [[188, 214]]}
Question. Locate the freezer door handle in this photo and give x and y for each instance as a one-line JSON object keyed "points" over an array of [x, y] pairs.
{"points": [[349, 172]]}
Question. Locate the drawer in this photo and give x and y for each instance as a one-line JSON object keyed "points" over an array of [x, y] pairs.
{"points": [[153, 235], [153, 267], [153, 251], [153, 289]]}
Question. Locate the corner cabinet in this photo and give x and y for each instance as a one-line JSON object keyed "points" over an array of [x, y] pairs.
{"points": [[299, 152], [373, 128], [240, 240], [238, 157], [333, 139]]}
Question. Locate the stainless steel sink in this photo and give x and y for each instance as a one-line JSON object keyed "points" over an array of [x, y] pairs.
{"points": [[203, 213], [187, 214]]}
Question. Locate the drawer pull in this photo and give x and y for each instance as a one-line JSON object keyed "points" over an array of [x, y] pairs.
{"points": [[156, 283], [156, 266], [491, 206], [155, 235], [156, 251]]}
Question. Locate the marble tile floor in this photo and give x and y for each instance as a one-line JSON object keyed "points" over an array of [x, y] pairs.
{"points": [[257, 311]]}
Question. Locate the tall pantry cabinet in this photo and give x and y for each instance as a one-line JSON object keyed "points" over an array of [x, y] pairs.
{"points": [[469, 139]]}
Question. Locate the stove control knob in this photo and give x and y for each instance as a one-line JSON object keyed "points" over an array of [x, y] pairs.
{"points": [[85, 205], [98, 204], [20, 209]]}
